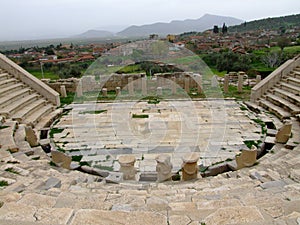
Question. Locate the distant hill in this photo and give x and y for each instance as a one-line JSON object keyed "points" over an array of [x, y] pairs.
{"points": [[176, 27], [283, 22], [94, 34]]}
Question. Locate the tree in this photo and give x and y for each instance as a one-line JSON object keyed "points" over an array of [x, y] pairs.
{"points": [[229, 61], [72, 71], [224, 28], [271, 60], [216, 29], [283, 42]]}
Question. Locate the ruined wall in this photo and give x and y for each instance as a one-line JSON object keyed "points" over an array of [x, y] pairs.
{"points": [[96, 83]]}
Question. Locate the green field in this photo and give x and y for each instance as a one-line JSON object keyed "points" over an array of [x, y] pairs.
{"points": [[47, 74]]}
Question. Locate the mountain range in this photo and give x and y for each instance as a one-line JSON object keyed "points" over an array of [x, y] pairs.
{"points": [[174, 27]]}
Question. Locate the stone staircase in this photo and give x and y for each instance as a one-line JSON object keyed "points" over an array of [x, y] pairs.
{"points": [[20, 103], [284, 98]]}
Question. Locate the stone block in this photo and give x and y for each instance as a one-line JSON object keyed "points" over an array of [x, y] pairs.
{"points": [[273, 184], [247, 158], [163, 168], [114, 177], [95, 171], [284, 133], [159, 91], [61, 159], [104, 92], [295, 175], [148, 177], [226, 83], [118, 91], [31, 137], [63, 92], [52, 182]]}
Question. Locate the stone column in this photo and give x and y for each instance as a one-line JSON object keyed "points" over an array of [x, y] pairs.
{"points": [[104, 92], [187, 84], [118, 91], [79, 90], [127, 167], [240, 82], [158, 80], [226, 83], [63, 91], [163, 168], [144, 86], [189, 166], [159, 91], [130, 86], [214, 81], [258, 79], [174, 85], [199, 84]]}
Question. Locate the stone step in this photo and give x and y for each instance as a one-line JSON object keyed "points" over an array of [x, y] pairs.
{"points": [[279, 112], [28, 109], [282, 103], [297, 69], [295, 74], [7, 141], [12, 97], [287, 96], [4, 76], [47, 120], [38, 114], [293, 81], [10, 89], [7, 82], [18, 105], [291, 88]]}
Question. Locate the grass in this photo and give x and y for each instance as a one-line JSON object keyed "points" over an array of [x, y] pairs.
{"points": [[140, 116], [217, 72], [262, 124], [243, 108], [108, 168], [93, 112], [250, 143], [152, 99], [67, 100], [233, 93], [3, 183], [55, 131], [77, 158], [47, 74], [52, 164], [11, 170], [131, 69], [3, 127]]}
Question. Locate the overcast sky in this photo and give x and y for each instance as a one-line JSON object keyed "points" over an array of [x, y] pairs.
{"points": [[32, 19]]}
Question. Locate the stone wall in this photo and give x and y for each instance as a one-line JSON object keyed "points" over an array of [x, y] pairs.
{"points": [[111, 82]]}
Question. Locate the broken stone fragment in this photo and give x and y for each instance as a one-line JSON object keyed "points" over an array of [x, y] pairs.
{"points": [[31, 137], [284, 133], [61, 159], [163, 168], [247, 158]]}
